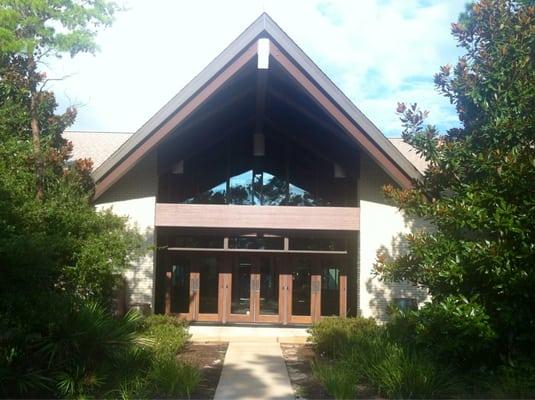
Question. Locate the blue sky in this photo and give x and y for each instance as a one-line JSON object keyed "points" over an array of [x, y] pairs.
{"points": [[378, 52]]}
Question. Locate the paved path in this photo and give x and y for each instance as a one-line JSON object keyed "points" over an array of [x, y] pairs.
{"points": [[253, 367], [254, 371]]}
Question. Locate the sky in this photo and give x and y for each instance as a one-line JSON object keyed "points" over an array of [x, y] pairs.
{"points": [[378, 52]]}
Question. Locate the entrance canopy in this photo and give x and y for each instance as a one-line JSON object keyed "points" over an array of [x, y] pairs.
{"points": [[264, 85]]}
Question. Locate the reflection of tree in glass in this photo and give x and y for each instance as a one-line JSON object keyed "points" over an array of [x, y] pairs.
{"points": [[301, 197], [274, 190], [210, 197], [215, 195], [259, 188], [240, 194]]}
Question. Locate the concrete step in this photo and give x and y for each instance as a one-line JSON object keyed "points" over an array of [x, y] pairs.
{"points": [[247, 334]]}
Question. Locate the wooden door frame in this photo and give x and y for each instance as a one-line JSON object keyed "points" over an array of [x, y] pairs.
{"points": [[267, 318], [168, 278], [240, 318], [342, 261], [225, 262], [315, 290], [206, 317]]}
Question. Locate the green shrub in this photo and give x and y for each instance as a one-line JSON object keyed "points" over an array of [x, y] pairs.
{"points": [[82, 350], [513, 382], [332, 336], [338, 380], [406, 374], [455, 329], [167, 376], [171, 378], [169, 334]]}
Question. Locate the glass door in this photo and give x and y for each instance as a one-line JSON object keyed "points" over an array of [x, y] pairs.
{"points": [[180, 299], [255, 289], [241, 301], [205, 284], [303, 293], [333, 287], [267, 289]]}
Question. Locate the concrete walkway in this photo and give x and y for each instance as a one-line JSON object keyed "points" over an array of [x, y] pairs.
{"points": [[254, 371], [254, 367]]}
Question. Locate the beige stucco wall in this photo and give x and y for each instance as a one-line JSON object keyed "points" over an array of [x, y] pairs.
{"points": [[380, 227], [134, 196]]}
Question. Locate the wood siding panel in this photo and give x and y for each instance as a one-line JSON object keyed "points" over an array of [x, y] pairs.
{"points": [[257, 217]]}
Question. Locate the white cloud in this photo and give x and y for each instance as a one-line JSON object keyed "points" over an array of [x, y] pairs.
{"points": [[373, 50]]}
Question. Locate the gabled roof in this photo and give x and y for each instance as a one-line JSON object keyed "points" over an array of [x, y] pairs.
{"points": [[227, 64], [96, 145]]}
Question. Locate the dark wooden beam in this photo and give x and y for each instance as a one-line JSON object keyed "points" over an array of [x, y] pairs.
{"points": [[303, 111], [294, 138], [215, 111], [190, 148], [349, 126], [261, 83]]}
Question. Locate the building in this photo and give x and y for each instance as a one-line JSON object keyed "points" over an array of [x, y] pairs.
{"points": [[260, 186]]}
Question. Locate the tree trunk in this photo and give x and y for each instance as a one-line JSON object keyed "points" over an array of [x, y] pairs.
{"points": [[36, 129]]}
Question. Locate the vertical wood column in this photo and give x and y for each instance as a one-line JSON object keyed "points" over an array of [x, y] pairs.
{"points": [[225, 276], [168, 282], [194, 283], [255, 291], [343, 296], [283, 298], [315, 305]]}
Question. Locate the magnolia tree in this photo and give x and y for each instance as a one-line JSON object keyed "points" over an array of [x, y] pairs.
{"points": [[478, 191]]}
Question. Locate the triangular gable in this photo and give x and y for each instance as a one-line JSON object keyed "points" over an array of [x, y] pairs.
{"points": [[296, 63]]}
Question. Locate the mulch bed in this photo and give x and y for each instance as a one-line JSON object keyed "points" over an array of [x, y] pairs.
{"points": [[299, 358], [208, 357]]}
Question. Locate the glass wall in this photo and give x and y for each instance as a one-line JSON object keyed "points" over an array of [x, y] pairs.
{"points": [[287, 174]]}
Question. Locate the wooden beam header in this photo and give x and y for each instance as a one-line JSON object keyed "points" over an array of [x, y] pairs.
{"points": [[256, 217]]}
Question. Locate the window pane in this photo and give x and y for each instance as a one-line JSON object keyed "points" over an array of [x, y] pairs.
{"points": [[301, 287], [240, 190], [180, 298], [269, 286], [300, 197], [274, 190], [330, 291], [317, 244], [257, 188], [215, 195], [206, 242], [241, 287], [208, 285], [262, 243]]}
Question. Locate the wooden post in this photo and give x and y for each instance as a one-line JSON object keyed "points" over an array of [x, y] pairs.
{"points": [[168, 283], [343, 296]]}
